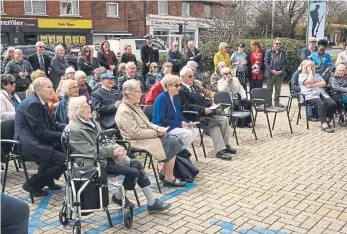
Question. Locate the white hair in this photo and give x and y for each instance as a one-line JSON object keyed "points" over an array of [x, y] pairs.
{"points": [[38, 83], [190, 42], [129, 86], [67, 84], [128, 65], [221, 63], [185, 70], [223, 45], [225, 70], [16, 51], [79, 74], [57, 48], [38, 43], [190, 63], [74, 106]]}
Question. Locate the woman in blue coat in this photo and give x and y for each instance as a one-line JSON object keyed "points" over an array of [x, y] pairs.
{"points": [[167, 112]]}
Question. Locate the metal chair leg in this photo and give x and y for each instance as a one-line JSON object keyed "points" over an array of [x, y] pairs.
{"points": [[155, 173], [149, 163], [202, 142], [108, 217], [137, 198], [299, 114], [234, 127], [15, 164], [27, 180], [307, 124], [5, 175], [268, 123], [255, 118], [253, 126], [273, 124], [144, 164], [290, 125], [196, 157]]}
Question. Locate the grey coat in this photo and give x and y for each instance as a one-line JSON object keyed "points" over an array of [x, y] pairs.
{"points": [[83, 141], [269, 59], [13, 68], [339, 84], [58, 65]]}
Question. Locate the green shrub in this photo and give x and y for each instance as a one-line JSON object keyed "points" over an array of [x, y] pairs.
{"points": [[292, 47]]}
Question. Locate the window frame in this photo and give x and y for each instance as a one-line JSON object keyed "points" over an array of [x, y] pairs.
{"points": [[2, 6], [78, 7], [32, 8], [166, 2], [187, 11], [112, 16], [210, 6]]}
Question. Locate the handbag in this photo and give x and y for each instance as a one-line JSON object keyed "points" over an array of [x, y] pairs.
{"points": [[185, 169]]}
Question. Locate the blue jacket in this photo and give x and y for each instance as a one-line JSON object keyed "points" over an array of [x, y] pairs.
{"points": [[36, 130], [61, 111], [164, 113], [306, 52]]}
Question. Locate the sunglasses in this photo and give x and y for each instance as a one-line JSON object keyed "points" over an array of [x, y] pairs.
{"points": [[177, 85], [278, 43], [191, 76], [229, 73], [11, 82]]}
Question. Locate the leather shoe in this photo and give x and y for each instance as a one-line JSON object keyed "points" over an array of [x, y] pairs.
{"points": [[230, 150], [55, 187], [223, 155], [38, 193], [175, 183], [158, 207]]}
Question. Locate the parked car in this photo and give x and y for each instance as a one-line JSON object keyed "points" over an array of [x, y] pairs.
{"points": [[49, 50]]}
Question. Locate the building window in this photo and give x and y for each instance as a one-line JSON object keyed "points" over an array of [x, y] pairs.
{"points": [[2, 6], [185, 8], [69, 7], [35, 6], [208, 10], [163, 7], [112, 9]]}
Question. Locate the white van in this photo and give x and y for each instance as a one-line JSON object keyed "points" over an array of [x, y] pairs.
{"points": [[117, 45]]}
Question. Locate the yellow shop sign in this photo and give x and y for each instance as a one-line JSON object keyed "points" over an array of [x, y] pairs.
{"points": [[64, 23]]}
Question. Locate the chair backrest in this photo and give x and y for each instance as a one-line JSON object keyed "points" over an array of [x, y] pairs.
{"points": [[222, 97], [7, 129], [22, 95], [262, 93], [148, 110]]}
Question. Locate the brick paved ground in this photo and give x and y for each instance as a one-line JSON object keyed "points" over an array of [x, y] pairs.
{"points": [[289, 184]]}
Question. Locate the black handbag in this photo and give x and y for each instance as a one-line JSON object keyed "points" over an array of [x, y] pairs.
{"points": [[185, 169]]}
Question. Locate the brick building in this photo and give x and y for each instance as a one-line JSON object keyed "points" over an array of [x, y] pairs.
{"points": [[65, 22], [167, 20]]}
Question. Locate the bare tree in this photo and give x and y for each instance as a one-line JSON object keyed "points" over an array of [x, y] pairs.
{"points": [[229, 22]]}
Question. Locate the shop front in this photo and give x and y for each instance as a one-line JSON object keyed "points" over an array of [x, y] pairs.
{"points": [[67, 32], [171, 28]]}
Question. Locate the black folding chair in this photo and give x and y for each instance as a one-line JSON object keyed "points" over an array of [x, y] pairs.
{"points": [[21, 95], [10, 152], [262, 102], [224, 99]]}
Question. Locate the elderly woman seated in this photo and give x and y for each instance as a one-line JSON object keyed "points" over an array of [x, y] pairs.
{"points": [[312, 86], [231, 84], [167, 113], [70, 89], [144, 135], [83, 87], [83, 132], [9, 100]]}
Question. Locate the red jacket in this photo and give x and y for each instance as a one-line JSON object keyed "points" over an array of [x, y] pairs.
{"points": [[153, 93]]}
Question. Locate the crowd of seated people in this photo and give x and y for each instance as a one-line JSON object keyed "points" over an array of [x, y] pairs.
{"points": [[117, 96]]}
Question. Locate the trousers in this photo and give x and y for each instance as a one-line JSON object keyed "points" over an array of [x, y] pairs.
{"points": [[326, 107], [14, 215], [187, 135], [134, 173], [277, 82], [220, 134]]}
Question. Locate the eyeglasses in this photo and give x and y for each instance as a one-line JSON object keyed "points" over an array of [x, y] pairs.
{"points": [[11, 82], [41, 47], [175, 46], [176, 85], [155, 66], [87, 51], [191, 76], [278, 43], [74, 87]]}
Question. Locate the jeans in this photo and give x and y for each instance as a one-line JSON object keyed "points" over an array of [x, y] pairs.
{"points": [[326, 107], [277, 81], [14, 215]]}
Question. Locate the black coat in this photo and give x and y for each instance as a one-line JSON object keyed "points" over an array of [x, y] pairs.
{"points": [[102, 60], [194, 101], [87, 67], [149, 54], [103, 101], [36, 130], [33, 59], [197, 57], [126, 58]]}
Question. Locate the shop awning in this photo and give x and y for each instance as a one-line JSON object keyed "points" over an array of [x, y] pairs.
{"points": [[113, 33]]}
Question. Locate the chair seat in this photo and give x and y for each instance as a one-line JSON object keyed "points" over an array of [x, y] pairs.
{"points": [[276, 109], [241, 114]]}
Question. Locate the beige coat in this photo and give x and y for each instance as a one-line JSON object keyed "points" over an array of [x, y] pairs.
{"points": [[232, 86], [7, 110], [136, 128]]}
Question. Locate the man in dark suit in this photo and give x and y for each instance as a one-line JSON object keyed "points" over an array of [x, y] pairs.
{"points": [[106, 100], [149, 54], [39, 136], [39, 60], [191, 99], [194, 54]]}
